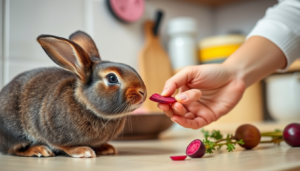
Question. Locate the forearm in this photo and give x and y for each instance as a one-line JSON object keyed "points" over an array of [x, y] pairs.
{"points": [[273, 44], [255, 59]]}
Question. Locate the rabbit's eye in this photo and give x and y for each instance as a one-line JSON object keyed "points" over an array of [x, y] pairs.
{"points": [[112, 78]]}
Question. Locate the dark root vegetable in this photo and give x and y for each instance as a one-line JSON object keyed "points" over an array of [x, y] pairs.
{"points": [[177, 157], [249, 134], [161, 99], [196, 149], [291, 134]]}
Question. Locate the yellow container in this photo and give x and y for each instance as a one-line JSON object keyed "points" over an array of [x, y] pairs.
{"points": [[216, 49], [248, 110]]}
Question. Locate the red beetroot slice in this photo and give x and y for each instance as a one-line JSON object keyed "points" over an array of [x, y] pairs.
{"points": [[196, 149], [161, 99], [178, 157]]}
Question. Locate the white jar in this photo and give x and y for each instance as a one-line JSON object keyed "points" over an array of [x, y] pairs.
{"points": [[283, 96], [182, 46]]}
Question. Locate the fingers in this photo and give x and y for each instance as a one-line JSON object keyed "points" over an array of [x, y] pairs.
{"points": [[175, 108], [179, 109], [196, 117], [188, 96], [187, 119], [189, 116], [195, 123], [178, 80], [166, 108]]}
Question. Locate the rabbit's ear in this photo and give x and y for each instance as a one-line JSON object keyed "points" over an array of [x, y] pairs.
{"points": [[87, 43], [67, 54]]}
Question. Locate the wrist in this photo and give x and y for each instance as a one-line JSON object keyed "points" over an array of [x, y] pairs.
{"points": [[236, 71], [255, 59]]}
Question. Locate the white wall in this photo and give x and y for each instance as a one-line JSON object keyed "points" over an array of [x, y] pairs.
{"points": [[240, 16], [1, 45], [117, 41], [30, 18], [122, 42], [178, 8]]}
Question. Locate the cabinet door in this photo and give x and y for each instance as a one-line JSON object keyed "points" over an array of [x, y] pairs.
{"points": [[28, 19]]}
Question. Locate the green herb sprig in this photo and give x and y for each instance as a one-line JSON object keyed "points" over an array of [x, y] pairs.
{"points": [[216, 135]]}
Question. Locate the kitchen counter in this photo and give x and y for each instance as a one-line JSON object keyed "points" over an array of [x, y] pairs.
{"points": [[150, 155]]}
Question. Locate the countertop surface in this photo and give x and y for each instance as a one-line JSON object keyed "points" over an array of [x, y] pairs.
{"points": [[155, 155]]}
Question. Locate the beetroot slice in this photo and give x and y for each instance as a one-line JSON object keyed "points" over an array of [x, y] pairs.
{"points": [[161, 99], [196, 149], [178, 157]]}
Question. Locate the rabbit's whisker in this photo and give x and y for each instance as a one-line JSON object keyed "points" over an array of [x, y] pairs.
{"points": [[119, 108], [106, 123], [117, 125], [115, 111], [127, 106], [131, 118]]}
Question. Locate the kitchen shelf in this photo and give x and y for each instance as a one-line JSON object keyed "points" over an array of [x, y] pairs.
{"points": [[214, 3]]}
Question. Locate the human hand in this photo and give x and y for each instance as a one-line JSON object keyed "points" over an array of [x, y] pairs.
{"points": [[206, 92]]}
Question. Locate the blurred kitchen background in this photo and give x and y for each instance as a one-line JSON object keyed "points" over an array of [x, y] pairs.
{"points": [[211, 28]]}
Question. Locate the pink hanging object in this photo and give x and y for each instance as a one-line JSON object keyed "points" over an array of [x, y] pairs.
{"points": [[127, 10]]}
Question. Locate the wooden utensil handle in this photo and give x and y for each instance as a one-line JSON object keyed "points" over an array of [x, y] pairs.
{"points": [[159, 15]]}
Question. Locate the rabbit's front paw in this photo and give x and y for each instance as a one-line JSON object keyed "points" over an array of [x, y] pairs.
{"points": [[38, 151], [80, 152], [106, 149]]}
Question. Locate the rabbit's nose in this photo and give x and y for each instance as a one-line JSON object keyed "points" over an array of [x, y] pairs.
{"points": [[142, 93]]}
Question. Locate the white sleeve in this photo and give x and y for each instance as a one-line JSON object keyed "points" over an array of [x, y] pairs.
{"points": [[281, 25]]}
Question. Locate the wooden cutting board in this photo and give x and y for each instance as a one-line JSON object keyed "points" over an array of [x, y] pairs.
{"points": [[154, 66]]}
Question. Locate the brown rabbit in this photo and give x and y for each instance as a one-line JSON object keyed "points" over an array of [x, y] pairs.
{"points": [[77, 110]]}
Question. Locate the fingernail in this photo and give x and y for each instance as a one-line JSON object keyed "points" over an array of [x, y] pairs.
{"points": [[173, 120], [164, 92], [175, 108], [181, 97]]}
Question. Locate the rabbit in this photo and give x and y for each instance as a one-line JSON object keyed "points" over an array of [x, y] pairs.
{"points": [[74, 110]]}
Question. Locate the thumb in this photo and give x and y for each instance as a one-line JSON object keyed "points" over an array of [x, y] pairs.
{"points": [[188, 96], [178, 80]]}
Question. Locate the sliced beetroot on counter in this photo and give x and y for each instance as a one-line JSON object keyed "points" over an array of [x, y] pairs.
{"points": [[196, 149], [178, 157], [161, 99]]}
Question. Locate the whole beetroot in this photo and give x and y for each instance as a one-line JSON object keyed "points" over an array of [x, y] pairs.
{"points": [[291, 134], [249, 134]]}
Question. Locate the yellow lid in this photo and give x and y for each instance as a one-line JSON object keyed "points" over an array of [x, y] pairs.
{"points": [[221, 40], [217, 52]]}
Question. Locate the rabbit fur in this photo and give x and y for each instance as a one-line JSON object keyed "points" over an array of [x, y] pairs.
{"points": [[73, 110]]}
